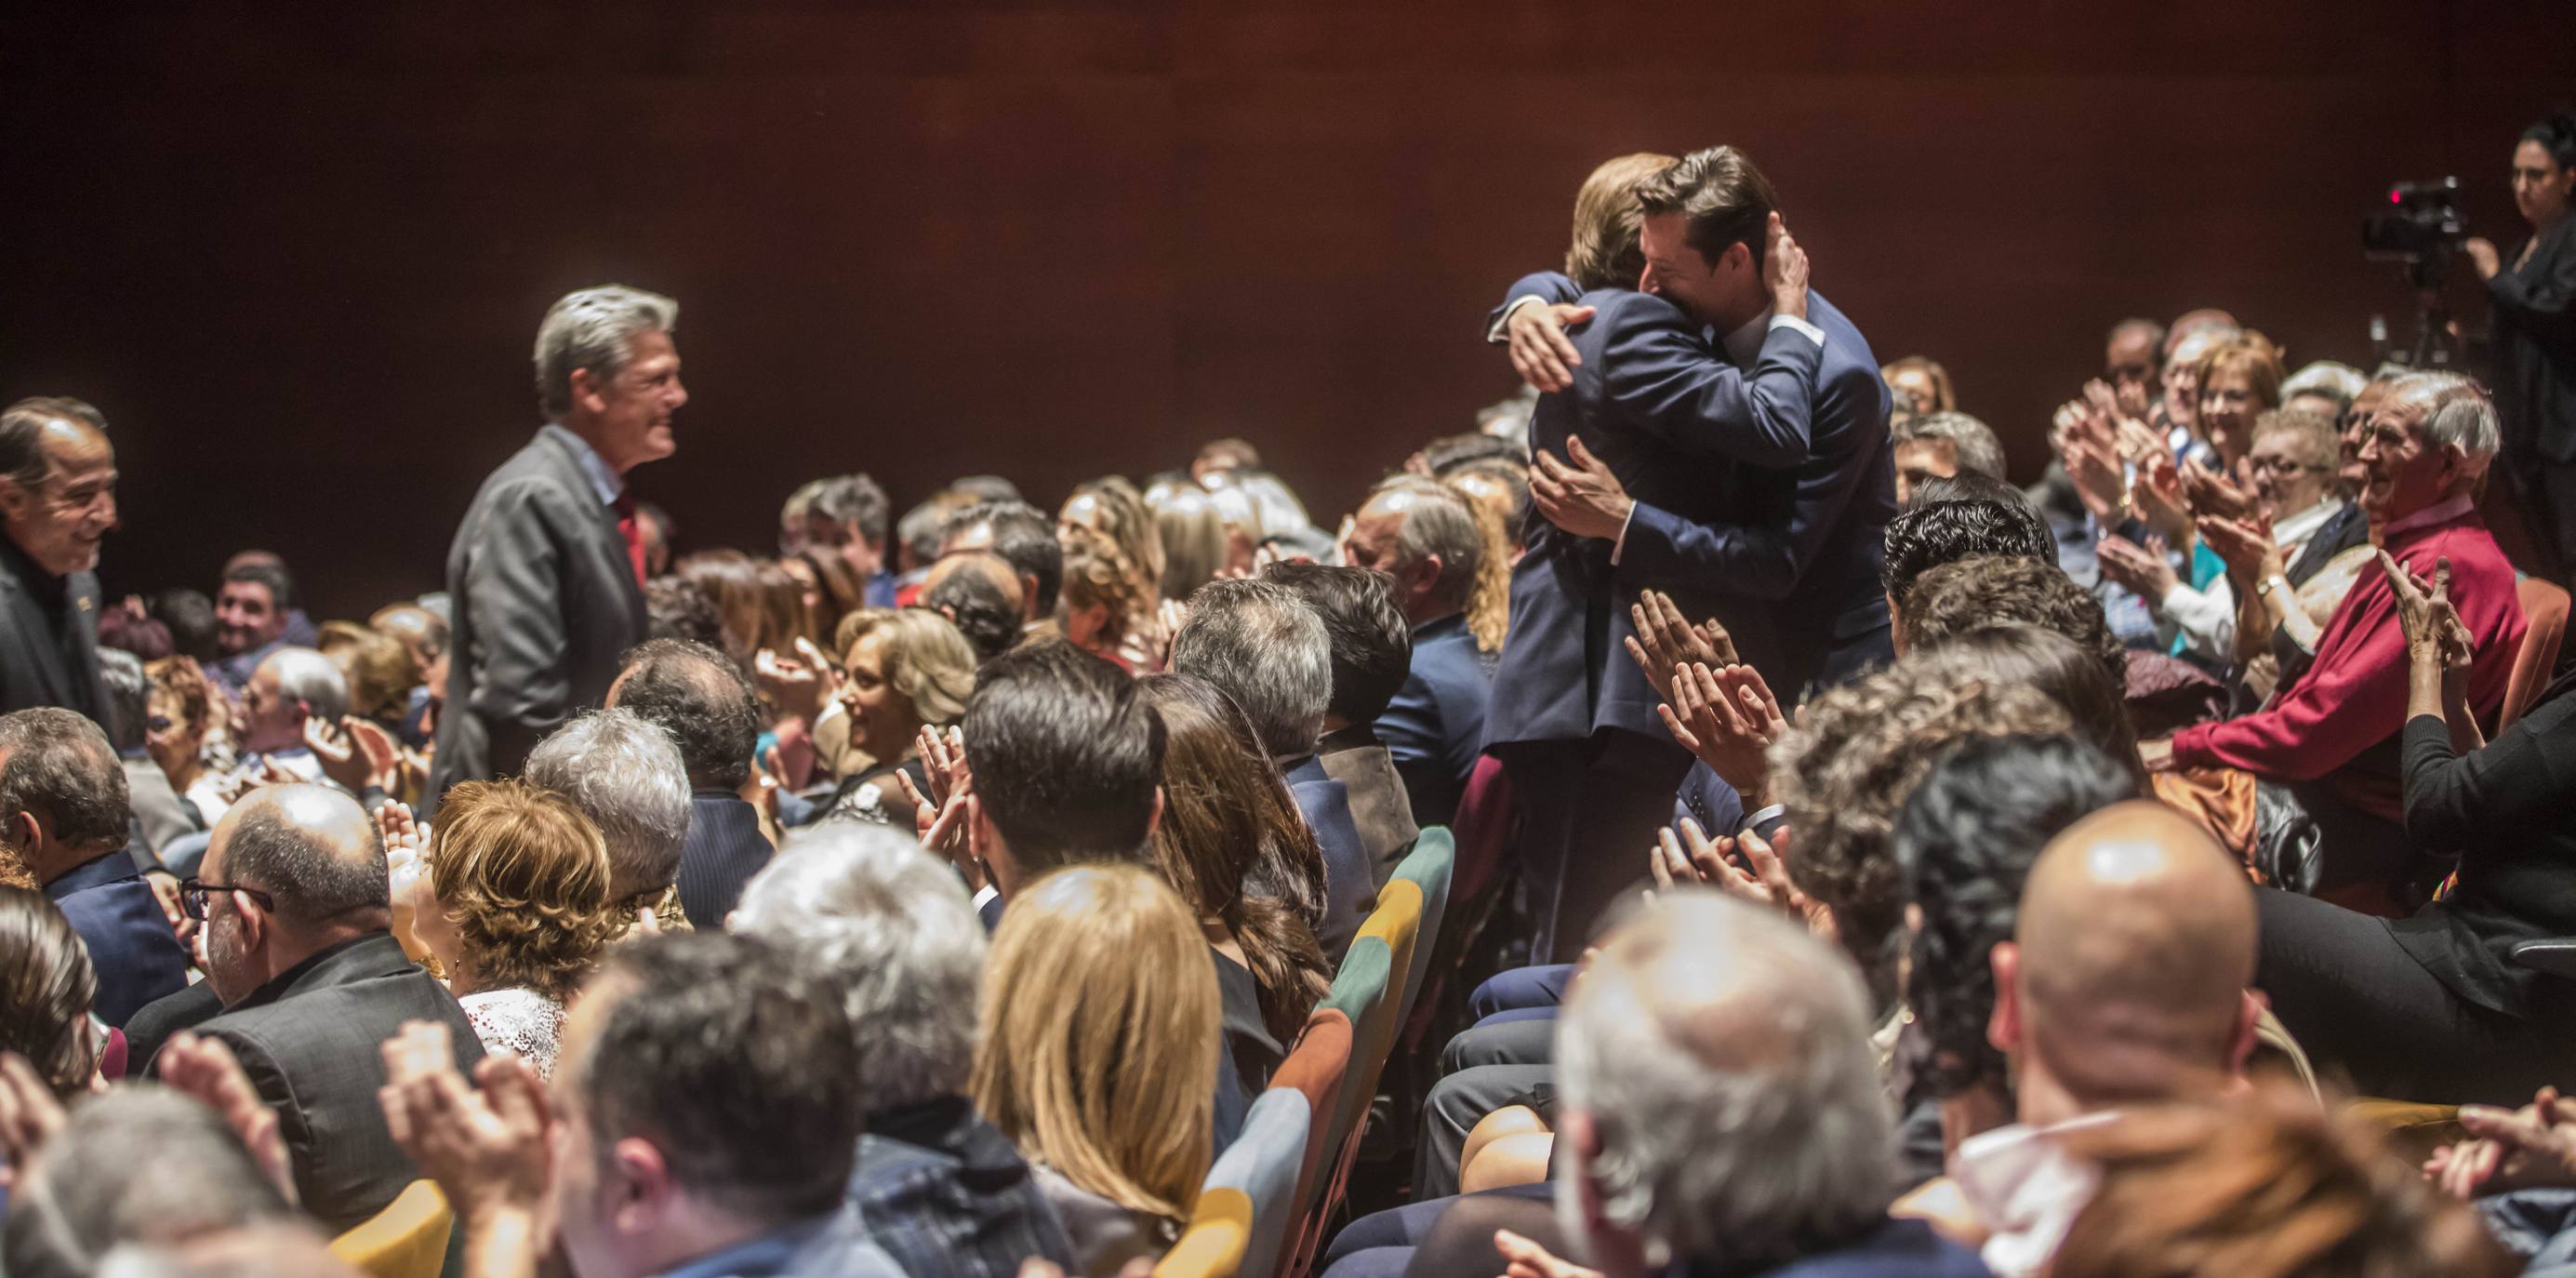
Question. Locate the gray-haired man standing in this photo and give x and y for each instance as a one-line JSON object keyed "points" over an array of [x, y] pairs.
{"points": [[547, 568]]}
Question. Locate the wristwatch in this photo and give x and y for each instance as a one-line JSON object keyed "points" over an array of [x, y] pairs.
{"points": [[2264, 588]]}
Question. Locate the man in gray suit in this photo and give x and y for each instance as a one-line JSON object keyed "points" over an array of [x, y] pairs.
{"points": [[547, 569]]}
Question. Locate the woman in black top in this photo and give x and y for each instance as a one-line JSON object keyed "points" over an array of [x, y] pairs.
{"points": [[2535, 333], [2433, 1007]]}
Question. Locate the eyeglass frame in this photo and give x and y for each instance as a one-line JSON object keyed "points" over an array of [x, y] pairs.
{"points": [[194, 892]]}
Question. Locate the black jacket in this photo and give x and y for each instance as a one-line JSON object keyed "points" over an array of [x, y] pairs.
{"points": [[48, 638], [309, 1041], [546, 601], [2535, 348]]}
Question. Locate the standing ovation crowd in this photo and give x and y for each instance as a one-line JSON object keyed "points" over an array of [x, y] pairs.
{"points": [[1702, 820]]}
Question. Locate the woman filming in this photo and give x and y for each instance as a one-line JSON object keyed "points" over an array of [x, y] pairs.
{"points": [[2535, 333]]}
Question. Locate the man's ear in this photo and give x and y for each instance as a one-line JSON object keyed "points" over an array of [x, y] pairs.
{"points": [[589, 392], [13, 499], [21, 831], [2004, 1028], [2249, 1015], [644, 1190], [1426, 573], [254, 920], [984, 843]]}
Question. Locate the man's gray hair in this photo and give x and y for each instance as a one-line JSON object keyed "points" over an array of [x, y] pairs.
{"points": [[2453, 411], [22, 435], [2338, 382], [1978, 449], [138, 1164], [1723, 1055], [1438, 522], [625, 775], [892, 928], [594, 328], [1260, 644], [307, 676]]}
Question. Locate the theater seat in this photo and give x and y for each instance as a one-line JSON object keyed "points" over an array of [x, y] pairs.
{"points": [[408, 1239], [2544, 616]]}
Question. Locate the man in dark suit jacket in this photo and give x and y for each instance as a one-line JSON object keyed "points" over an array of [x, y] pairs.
{"points": [[63, 814], [547, 569], [1434, 726], [293, 899], [1263, 646], [1750, 479], [57, 502], [698, 696], [1372, 649]]}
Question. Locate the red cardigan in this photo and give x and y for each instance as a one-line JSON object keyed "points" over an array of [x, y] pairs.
{"points": [[2335, 723]]}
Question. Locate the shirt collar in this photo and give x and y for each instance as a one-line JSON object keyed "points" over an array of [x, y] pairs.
{"points": [[2022, 1185], [2438, 513], [1744, 345], [2303, 525], [107, 867], [774, 1252], [603, 480]]}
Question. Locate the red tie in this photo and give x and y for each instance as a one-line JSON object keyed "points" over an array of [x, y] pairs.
{"points": [[632, 529]]}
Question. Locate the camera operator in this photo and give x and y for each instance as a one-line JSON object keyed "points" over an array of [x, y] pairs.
{"points": [[2535, 329]]}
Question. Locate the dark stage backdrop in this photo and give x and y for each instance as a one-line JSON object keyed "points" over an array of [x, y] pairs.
{"points": [[297, 252]]}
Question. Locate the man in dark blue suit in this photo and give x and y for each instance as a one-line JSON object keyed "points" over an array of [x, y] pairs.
{"points": [[1748, 477], [699, 697], [63, 815], [1425, 537]]}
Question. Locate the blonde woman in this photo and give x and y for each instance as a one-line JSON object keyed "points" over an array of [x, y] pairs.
{"points": [[1098, 1037], [902, 670], [518, 911]]}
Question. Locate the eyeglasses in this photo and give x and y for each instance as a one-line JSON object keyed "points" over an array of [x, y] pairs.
{"points": [[2283, 466], [193, 894]]}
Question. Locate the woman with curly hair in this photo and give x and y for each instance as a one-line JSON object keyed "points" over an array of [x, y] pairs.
{"points": [[519, 911], [1105, 607]]}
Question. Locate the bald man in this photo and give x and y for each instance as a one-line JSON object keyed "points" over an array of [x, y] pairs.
{"points": [[2124, 983], [293, 901]]}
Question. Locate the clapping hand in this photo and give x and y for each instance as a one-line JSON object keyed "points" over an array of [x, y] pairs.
{"points": [[942, 817], [2210, 493], [799, 686], [1525, 1259], [355, 754], [2245, 546], [1666, 639], [1727, 719], [485, 1143], [1540, 351], [206, 1069], [2433, 627], [2527, 1148], [2141, 569], [30, 1116]]}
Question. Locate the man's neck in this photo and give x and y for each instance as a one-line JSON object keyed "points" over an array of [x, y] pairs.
{"points": [[1428, 617], [588, 432], [54, 861], [287, 953], [694, 1230]]}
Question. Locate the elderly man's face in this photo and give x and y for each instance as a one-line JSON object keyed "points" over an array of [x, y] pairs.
{"points": [[271, 719], [246, 616], [61, 520], [630, 413], [2129, 361], [2404, 471], [229, 967]]}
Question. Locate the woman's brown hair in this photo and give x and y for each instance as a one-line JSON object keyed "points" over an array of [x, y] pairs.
{"points": [[1230, 831], [524, 876], [379, 668], [183, 681], [1100, 1018], [1128, 521], [46, 986], [729, 580], [2262, 1186], [1605, 253], [1098, 572]]}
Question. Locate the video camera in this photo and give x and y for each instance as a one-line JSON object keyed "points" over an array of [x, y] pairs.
{"points": [[2420, 225]]}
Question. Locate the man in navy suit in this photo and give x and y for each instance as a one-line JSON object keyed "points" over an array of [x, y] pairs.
{"points": [[698, 697], [1748, 477], [63, 815], [1425, 537]]}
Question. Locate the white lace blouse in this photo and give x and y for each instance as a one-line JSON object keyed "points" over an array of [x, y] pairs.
{"points": [[521, 1022]]}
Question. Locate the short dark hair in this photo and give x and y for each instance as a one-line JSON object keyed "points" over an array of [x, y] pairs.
{"points": [[698, 695], [22, 434], [190, 615], [1938, 533], [1984, 590], [1067, 754], [128, 697], [1025, 539], [60, 767], [854, 499], [1967, 838], [1372, 645], [736, 1061], [1725, 199], [280, 585], [306, 877], [676, 608], [1449, 452], [985, 615]]}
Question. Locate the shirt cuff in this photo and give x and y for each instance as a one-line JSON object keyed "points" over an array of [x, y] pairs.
{"points": [[1766, 818], [1495, 333], [1622, 543], [983, 894], [1790, 322]]}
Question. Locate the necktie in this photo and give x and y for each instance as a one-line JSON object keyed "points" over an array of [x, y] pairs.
{"points": [[632, 529]]}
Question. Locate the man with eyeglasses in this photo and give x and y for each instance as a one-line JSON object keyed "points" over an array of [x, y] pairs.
{"points": [[57, 502], [304, 981]]}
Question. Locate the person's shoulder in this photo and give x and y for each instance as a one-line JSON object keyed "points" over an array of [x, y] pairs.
{"points": [[1625, 310]]}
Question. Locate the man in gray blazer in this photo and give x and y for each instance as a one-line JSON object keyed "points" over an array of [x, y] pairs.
{"points": [[547, 569]]}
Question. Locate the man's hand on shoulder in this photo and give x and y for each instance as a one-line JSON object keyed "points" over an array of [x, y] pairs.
{"points": [[1541, 353]]}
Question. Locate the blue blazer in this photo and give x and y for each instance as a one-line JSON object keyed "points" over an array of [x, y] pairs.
{"points": [[1762, 498], [137, 957], [1350, 885], [725, 848], [1434, 729]]}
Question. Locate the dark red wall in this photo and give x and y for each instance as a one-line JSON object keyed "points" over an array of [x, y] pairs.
{"points": [[297, 251]]}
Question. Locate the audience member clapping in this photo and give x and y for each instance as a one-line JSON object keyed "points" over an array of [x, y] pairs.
{"points": [[902, 671]]}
